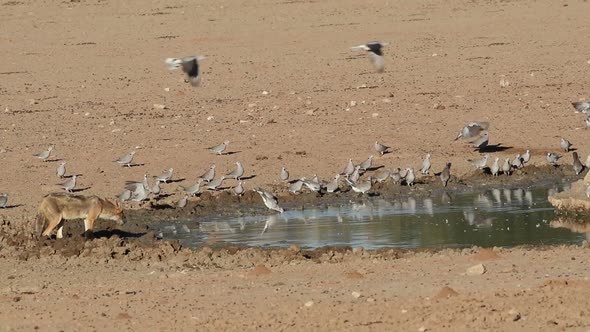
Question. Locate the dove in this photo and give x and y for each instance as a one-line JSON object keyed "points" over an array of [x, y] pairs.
{"points": [[495, 167], [3, 200], [472, 130], [517, 162], [284, 175], [139, 192], [382, 176], [215, 183], [506, 167], [410, 177], [166, 176], [587, 164], [349, 169], [125, 195], [578, 167], [425, 169], [587, 122], [403, 173], [552, 158], [526, 157], [355, 175], [239, 189], [295, 187], [565, 144], [482, 142], [70, 184], [236, 173], [269, 200], [313, 185], [479, 163], [366, 164], [61, 170], [182, 202], [380, 148], [332, 186], [156, 189], [395, 175], [126, 159], [194, 189], [209, 175], [219, 149], [582, 106], [132, 185], [190, 65], [445, 175], [375, 53], [362, 187], [44, 155]]}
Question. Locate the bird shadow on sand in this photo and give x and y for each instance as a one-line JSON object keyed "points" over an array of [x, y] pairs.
{"points": [[248, 177], [161, 206], [163, 196], [12, 206], [112, 232], [493, 148], [53, 160], [175, 180], [80, 189], [230, 153], [133, 165], [71, 175], [374, 168]]}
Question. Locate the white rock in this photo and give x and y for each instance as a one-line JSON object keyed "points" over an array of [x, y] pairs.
{"points": [[167, 89], [375, 115], [210, 117], [264, 93], [352, 103], [308, 303], [476, 270], [160, 106], [356, 295]]}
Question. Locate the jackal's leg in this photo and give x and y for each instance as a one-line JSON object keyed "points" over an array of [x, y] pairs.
{"points": [[52, 223], [60, 228], [91, 218]]}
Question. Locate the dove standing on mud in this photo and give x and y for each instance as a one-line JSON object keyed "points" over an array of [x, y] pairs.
{"points": [[312, 184], [425, 169], [354, 177], [209, 175], [166, 176], [506, 166], [382, 176], [215, 183], [295, 187], [588, 191], [380, 148], [495, 167], [194, 189], [577, 164], [482, 142], [239, 189], [472, 130], [362, 187], [587, 122], [479, 163], [190, 65], [445, 175], [284, 175], [61, 170], [219, 149], [70, 184], [526, 157], [410, 177], [517, 162], [3, 200], [126, 159], [44, 155], [375, 54], [269, 200], [332, 186], [395, 175], [156, 189], [552, 158], [565, 144], [349, 169], [182, 202], [237, 173], [365, 165]]}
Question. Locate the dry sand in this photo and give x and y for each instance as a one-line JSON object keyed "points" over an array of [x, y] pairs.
{"points": [[85, 75]]}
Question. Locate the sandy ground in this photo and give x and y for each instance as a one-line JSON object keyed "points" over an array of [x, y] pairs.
{"points": [[85, 75]]}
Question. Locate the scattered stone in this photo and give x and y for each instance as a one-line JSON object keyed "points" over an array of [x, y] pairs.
{"points": [[264, 93], [476, 270], [160, 106], [504, 83], [356, 295], [308, 304], [358, 250], [514, 315], [370, 300], [422, 329], [375, 115], [167, 89], [438, 107], [352, 103], [210, 117], [310, 112]]}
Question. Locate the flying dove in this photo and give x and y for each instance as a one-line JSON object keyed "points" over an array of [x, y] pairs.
{"points": [[472, 130], [375, 53], [190, 65]]}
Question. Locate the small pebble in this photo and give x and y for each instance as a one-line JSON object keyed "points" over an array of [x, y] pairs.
{"points": [[356, 295], [308, 303]]}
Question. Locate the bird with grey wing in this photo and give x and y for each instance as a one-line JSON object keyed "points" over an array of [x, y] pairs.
{"points": [[61, 170], [166, 176], [269, 200], [284, 175], [354, 177], [587, 122], [333, 186], [365, 165], [156, 189], [182, 202], [425, 169], [189, 65], [209, 174], [565, 144], [382, 176], [237, 173], [44, 155], [381, 148], [374, 49], [582, 106], [3, 200], [194, 189], [395, 175], [517, 162], [215, 183], [70, 184], [362, 187], [125, 195], [126, 159], [445, 175], [295, 187], [349, 169], [312, 184], [219, 149], [552, 158], [239, 189], [410, 177], [495, 169], [577, 164], [473, 130], [526, 157], [482, 142], [507, 167], [479, 163]]}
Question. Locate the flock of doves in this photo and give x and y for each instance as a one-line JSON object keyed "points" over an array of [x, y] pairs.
{"points": [[477, 133]]}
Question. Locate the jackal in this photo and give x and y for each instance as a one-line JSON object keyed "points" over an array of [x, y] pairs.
{"points": [[58, 207]]}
